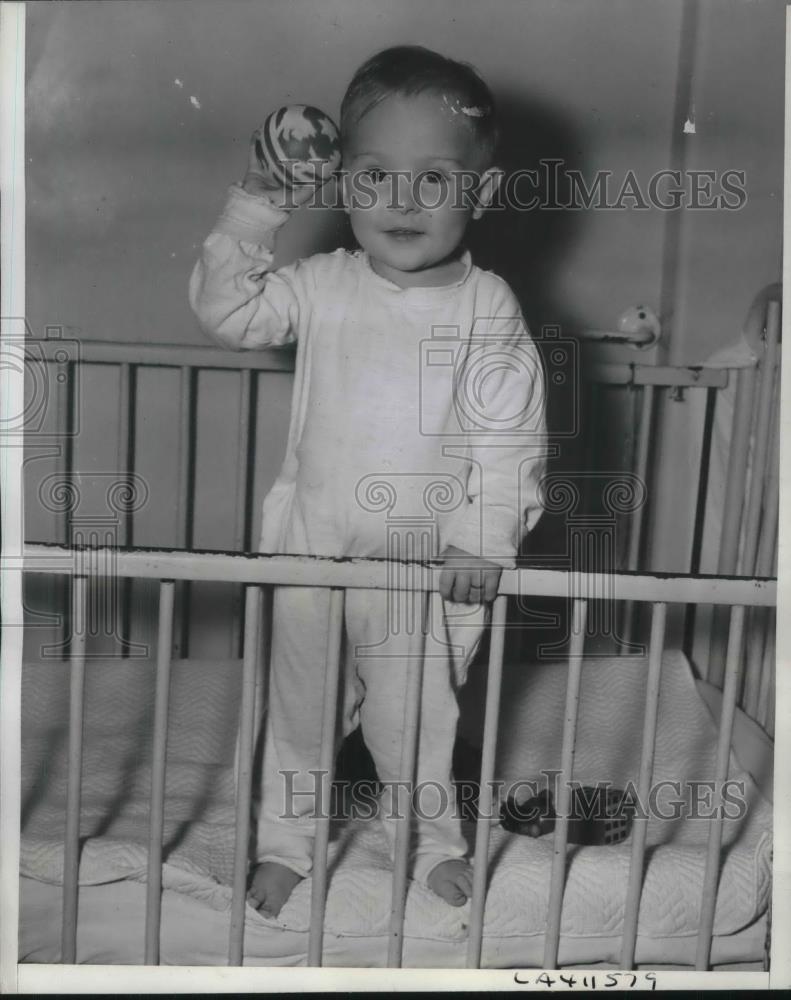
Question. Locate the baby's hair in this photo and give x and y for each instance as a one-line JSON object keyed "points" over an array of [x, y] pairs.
{"points": [[408, 70]]}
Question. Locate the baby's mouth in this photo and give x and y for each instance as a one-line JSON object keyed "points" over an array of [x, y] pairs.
{"points": [[402, 233]]}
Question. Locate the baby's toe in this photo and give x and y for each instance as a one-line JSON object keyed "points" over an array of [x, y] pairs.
{"points": [[257, 901], [465, 883]]}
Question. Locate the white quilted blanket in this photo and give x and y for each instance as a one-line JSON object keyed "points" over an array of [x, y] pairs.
{"points": [[199, 811]]}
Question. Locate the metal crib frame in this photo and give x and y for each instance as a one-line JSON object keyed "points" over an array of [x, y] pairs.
{"points": [[756, 394], [256, 572]]}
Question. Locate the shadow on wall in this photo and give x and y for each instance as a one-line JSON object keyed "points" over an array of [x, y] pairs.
{"points": [[528, 247]]}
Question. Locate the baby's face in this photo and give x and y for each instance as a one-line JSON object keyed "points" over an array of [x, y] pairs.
{"points": [[407, 162]]}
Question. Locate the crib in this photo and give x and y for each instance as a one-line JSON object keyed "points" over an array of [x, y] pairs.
{"points": [[136, 810]]}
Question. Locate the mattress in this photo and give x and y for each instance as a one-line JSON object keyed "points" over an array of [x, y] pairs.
{"points": [[198, 841]]}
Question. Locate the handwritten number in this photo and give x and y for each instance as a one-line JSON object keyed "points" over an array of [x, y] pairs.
{"points": [[570, 981]]}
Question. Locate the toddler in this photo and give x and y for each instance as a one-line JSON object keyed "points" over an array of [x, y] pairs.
{"points": [[417, 431]]}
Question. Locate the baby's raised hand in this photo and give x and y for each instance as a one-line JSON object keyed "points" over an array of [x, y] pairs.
{"points": [[256, 181], [468, 579]]}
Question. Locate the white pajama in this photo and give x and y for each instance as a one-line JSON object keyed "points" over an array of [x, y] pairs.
{"points": [[417, 422], [373, 694]]}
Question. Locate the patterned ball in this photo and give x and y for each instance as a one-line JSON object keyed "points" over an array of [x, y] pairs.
{"points": [[297, 145]]}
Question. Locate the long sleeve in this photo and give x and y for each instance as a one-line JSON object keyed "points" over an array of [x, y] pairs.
{"points": [[500, 396], [238, 300]]}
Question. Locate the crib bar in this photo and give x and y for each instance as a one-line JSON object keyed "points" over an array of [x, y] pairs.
{"points": [[755, 629], [264, 658], [732, 511], [636, 528], [63, 398], [737, 470], [693, 620], [185, 431], [156, 822], [414, 685], [124, 439], [244, 774], [641, 471], [761, 647], [767, 671], [63, 379], [756, 677], [710, 880], [760, 448], [242, 459], [71, 840], [769, 725], [183, 533], [485, 796], [125, 462], [563, 797], [242, 478], [767, 545], [640, 827], [763, 511], [326, 759]]}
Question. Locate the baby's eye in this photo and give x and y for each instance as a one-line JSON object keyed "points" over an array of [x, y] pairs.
{"points": [[433, 177]]}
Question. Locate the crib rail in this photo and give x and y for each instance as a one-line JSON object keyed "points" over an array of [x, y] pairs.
{"points": [[262, 571], [375, 574], [644, 379]]}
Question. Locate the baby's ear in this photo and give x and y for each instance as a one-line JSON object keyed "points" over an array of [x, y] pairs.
{"points": [[487, 188]]}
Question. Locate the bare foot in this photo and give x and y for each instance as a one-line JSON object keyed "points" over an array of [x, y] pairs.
{"points": [[270, 886], [451, 880]]}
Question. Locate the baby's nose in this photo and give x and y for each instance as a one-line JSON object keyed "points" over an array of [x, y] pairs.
{"points": [[404, 194]]}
